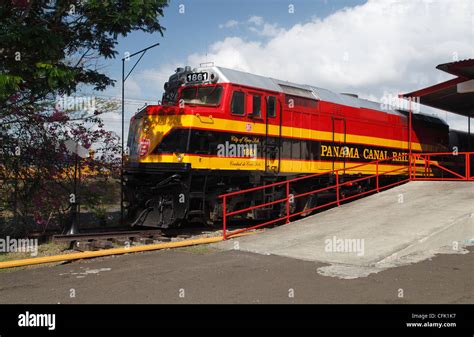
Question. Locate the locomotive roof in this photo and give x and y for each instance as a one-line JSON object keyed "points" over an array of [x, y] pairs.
{"points": [[227, 75]]}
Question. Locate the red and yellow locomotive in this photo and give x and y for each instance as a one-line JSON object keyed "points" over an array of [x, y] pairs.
{"points": [[220, 130]]}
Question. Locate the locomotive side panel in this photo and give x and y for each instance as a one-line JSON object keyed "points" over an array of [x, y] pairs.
{"points": [[241, 130]]}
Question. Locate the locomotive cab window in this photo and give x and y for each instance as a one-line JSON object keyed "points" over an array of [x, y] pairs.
{"points": [[256, 106], [208, 95], [238, 103], [271, 106]]}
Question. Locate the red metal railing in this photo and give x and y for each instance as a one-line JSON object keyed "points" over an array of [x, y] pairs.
{"points": [[419, 167], [335, 174], [460, 169]]}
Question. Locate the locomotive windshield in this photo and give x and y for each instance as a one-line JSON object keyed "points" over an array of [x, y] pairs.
{"points": [[208, 95]]}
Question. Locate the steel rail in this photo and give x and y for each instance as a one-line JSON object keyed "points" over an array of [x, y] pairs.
{"points": [[113, 251]]}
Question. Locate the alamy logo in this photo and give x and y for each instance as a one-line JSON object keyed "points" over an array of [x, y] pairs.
{"points": [[337, 245], [76, 103], [229, 149], [390, 101], [9, 245], [37, 320]]}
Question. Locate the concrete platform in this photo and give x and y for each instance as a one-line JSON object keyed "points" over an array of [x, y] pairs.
{"points": [[403, 225]]}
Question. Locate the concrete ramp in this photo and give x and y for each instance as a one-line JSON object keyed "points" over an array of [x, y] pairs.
{"points": [[405, 224]]}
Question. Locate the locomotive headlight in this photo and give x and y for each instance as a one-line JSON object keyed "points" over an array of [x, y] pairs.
{"points": [[213, 77], [180, 157], [146, 125]]}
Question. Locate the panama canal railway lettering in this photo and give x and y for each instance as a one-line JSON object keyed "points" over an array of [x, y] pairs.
{"points": [[360, 153]]}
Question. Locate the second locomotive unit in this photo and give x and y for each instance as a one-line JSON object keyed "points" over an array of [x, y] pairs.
{"points": [[219, 130]]}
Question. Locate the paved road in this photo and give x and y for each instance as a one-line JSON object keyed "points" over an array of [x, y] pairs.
{"points": [[398, 226], [203, 275]]}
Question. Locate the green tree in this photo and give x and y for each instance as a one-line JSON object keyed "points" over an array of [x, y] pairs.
{"points": [[45, 45], [47, 49]]}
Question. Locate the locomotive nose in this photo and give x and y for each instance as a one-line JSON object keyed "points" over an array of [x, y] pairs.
{"points": [[169, 110], [162, 110]]}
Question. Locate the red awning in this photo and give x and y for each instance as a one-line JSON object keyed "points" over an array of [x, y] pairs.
{"points": [[463, 68], [448, 95]]}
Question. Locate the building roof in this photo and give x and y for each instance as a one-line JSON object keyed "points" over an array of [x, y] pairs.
{"points": [[464, 68], [455, 95]]}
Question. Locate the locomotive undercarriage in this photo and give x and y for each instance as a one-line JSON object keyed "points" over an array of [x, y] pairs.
{"points": [[167, 200], [171, 199]]}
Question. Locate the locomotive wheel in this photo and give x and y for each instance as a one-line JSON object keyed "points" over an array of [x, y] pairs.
{"points": [[311, 202], [295, 204], [165, 207], [303, 203], [164, 210]]}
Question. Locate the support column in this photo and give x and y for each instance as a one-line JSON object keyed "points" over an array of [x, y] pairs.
{"points": [[469, 132]]}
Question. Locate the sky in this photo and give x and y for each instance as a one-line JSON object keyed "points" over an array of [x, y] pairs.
{"points": [[376, 49]]}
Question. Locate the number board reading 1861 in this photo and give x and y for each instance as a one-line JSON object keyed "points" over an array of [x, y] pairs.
{"points": [[197, 77]]}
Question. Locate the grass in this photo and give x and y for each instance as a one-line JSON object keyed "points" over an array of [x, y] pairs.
{"points": [[46, 249]]}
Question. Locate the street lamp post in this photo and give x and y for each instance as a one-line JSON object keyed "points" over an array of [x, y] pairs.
{"points": [[410, 128], [124, 78]]}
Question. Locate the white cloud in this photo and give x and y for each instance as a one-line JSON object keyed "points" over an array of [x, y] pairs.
{"points": [[381, 46], [267, 29], [229, 24], [157, 77], [255, 24], [133, 88], [256, 20]]}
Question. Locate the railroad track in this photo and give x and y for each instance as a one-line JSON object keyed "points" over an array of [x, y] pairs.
{"points": [[125, 236], [106, 235], [104, 240]]}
